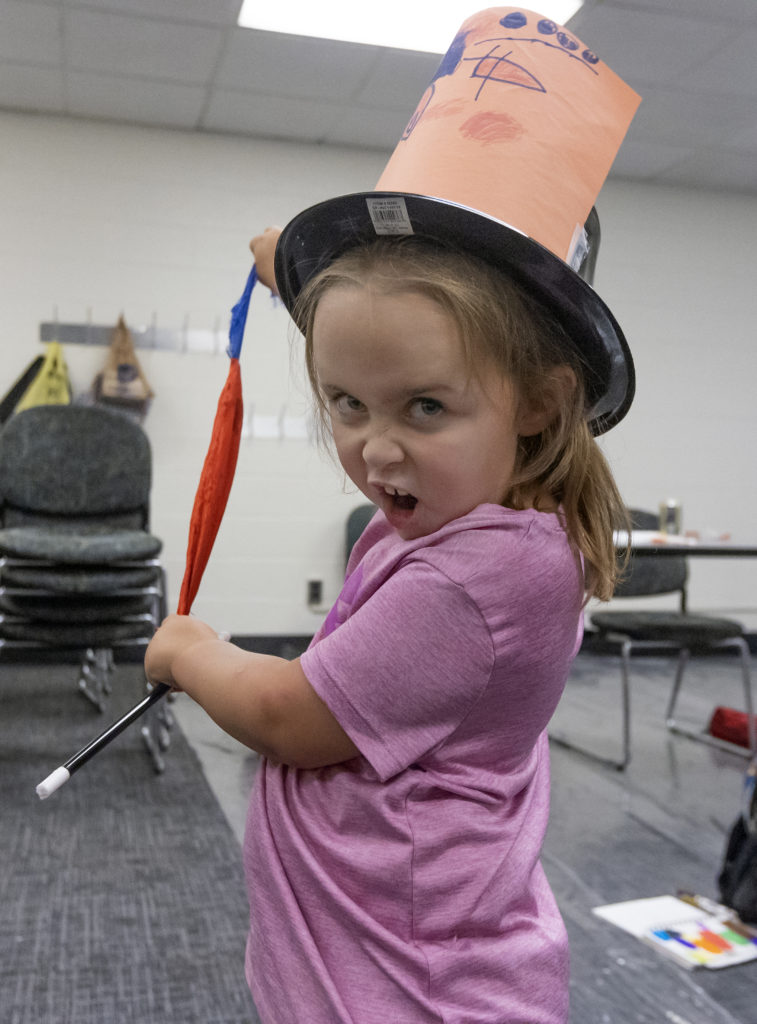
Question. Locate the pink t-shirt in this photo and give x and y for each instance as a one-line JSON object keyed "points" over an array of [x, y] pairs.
{"points": [[405, 885]]}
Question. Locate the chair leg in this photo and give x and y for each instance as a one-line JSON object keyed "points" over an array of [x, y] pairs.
{"points": [[94, 676], [746, 657], [683, 660], [625, 704], [703, 737], [625, 684], [156, 734]]}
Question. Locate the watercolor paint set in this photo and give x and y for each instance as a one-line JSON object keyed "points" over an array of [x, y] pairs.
{"points": [[692, 931]]}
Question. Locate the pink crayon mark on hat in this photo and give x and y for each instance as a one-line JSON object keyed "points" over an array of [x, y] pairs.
{"points": [[453, 108], [489, 128]]}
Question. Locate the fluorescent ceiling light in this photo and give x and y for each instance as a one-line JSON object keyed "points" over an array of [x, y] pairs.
{"points": [[403, 24]]}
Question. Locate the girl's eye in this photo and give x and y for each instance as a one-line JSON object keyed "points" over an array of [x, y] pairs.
{"points": [[424, 408], [346, 405]]}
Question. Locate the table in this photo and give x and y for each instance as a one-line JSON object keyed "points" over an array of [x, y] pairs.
{"points": [[653, 544], [644, 542]]}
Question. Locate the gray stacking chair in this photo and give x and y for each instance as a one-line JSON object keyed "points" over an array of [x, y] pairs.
{"points": [[79, 569], [357, 521], [677, 632]]}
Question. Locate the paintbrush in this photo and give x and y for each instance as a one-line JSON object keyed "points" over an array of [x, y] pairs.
{"points": [[725, 914]]}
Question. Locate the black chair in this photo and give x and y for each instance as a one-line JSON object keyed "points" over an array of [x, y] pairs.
{"points": [[679, 632], [78, 566], [357, 521]]}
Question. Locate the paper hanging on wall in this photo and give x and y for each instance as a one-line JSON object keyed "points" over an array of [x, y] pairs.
{"points": [[122, 381], [51, 386]]}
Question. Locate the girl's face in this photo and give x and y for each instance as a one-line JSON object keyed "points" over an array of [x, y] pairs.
{"points": [[414, 430]]}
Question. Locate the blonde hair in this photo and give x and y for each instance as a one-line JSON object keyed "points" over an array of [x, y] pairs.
{"points": [[499, 323]]}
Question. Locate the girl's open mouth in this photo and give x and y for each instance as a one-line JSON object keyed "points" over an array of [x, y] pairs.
{"points": [[401, 500], [405, 501]]}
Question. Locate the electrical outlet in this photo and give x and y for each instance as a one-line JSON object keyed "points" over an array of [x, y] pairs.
{"points": [[315, 592]]}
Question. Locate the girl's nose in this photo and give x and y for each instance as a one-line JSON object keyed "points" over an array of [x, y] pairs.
{"points": [[381, 449]]}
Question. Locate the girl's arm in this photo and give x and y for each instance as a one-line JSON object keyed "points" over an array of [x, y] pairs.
{"points": [[264, 702]]}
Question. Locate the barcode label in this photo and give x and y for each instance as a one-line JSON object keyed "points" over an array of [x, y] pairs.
{"points": [[389, 215]]}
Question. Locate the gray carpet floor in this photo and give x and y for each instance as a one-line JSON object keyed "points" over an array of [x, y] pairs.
{"points": [[122, 900], [121, 896], [651, 830]]}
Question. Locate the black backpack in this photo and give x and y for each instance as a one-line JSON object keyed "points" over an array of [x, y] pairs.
{"points": [[738, 875]]}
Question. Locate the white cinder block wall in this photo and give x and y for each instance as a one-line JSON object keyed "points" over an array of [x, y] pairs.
{"points": [[99, 220]]}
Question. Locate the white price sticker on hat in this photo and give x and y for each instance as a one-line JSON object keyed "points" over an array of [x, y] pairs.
{"points": [[389, 215]]}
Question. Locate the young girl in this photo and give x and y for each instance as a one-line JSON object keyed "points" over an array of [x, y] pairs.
{"points": [[396, 824]]}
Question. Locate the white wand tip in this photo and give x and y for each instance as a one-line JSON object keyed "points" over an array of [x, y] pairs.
{"points": [[53, 781]]}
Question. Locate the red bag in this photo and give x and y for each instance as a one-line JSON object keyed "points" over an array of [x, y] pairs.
{"points": [[731, 725]]}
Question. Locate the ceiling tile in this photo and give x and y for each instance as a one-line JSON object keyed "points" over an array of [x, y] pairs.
{"points": [[398, 79], [284, 65], [744, 138], [134, 99], [271, 117], [731, 69], [682, 118], [370, 129], [216, 12], [646, 160], [119, 45], [725, 10], [644, 47], [30, 32], [26, 87], [716, 169]]}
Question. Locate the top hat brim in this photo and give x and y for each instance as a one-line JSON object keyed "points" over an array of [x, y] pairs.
{"points": [[318, 235]]}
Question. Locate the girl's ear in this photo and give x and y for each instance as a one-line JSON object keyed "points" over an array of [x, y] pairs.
{"points": [[538, 411]]}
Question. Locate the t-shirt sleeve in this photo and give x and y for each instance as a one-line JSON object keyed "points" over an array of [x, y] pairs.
{"points": [[403, 671]]}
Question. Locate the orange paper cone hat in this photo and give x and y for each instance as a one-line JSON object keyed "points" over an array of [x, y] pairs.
{"points": [[503, 158]]}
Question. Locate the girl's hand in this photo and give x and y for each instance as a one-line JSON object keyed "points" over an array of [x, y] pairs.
{"points": [[263, 248], [263, 701], [175, 635]]}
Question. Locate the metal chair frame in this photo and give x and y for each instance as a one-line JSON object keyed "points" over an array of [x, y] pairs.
{"points": [[672, 723], [629, 644]]}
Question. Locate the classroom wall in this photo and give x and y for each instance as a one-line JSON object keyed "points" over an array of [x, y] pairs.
{"points": [[101, 219], [677, 269]]}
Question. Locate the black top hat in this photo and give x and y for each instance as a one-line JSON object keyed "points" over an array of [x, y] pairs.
{"points": [[319, 234]]}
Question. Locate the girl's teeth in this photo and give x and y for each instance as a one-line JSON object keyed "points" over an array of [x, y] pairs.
{"points": [[401, 499]]}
